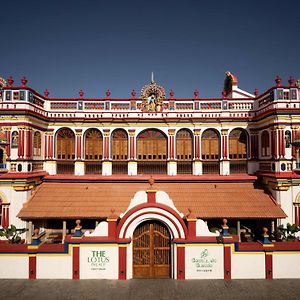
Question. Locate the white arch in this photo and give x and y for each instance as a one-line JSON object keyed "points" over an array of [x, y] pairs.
{"points": [[152, 213]]}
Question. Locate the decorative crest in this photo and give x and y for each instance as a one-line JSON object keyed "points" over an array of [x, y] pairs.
{"points": [[152, 96]]}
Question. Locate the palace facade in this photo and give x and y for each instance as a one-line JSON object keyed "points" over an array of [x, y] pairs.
{"points": [[235, 157]]}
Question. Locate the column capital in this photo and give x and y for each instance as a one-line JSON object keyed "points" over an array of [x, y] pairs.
{"points": [[224, 131], [131, 132], [295, 127], [106, 132], [197, 131], [6, 128], [171, 132]]}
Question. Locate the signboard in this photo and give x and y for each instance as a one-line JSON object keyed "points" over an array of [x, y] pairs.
{"points": [[204, 262], [99, 262]]}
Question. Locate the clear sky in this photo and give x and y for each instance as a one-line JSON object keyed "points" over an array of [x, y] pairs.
{"points": [[94, 45]]}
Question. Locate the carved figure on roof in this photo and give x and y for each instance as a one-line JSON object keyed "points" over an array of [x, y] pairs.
{"points": [[229, 81], [152, 96]]}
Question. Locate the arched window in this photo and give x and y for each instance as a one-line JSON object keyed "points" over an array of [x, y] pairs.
{"points": [[65, 144], [287, 139], [119, 145], [210, 144], [14, 139], [184, 145], [37, 143], [184, 151], [93, 145], [265, 143], [238, 144], [152, 152]]}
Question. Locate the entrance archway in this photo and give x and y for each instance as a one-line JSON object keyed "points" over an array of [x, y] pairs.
{"points": [[151, 251]]}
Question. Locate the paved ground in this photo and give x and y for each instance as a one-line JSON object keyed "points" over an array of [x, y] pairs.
{"points": [[149, 289]]}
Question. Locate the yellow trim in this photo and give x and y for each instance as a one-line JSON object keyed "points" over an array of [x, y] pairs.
{"points": [[112, 220], [181, 245], [123, 245], [172, 162], [151, 191], [193, 219], [286, 252], [105, 162], [31, 255], [269, 253], [130, 162], [79, 162], [33, 247], [268, 245]]}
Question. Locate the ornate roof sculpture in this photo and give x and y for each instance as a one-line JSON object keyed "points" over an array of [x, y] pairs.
{"points": [[3, 83], [152, 96], [229, 81]]}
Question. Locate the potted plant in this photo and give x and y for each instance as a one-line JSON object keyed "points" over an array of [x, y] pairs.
{"points": [[12, 234]]}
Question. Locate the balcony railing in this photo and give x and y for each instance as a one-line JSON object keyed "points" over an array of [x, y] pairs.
{"points": [[65, 167], [152, 167], [210, 167], [2, 166], [93, 167], [119, 167], [184, 167], [238, 166]]}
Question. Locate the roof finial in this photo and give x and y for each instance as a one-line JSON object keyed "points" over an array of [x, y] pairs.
{"points": [[152, 77]]}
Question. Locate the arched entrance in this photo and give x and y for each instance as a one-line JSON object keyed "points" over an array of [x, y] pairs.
{"points": [[151, 251]]}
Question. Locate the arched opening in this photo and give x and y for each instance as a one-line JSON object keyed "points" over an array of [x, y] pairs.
{"points": [[65, 151], [37, 143], [14, 139], [210, 149], [2, 160], [93, 151], [152, 152], [238, 144], [265, 144], [151, 250], [119, 151], [184, 151]]}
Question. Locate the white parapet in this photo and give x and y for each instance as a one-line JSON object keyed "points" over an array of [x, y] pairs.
{"points": [[50, 167], [197, 167], [107, 168], [132, 168], [79, 168], [172, 168], [225, 167]]}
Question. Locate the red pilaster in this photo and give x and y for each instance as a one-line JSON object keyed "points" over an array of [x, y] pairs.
{"points": [[45, 145], [297, 215], [21, 143], [171, 154], [281, 142], [5, 216], [227, 261], [75, 262], [151, 196], [224, 143], [180, 262], [122, 262], [197, 143], [131, 144], [191, 228], [275, 143], [50, 143], [294, 130], [106, 133], [112, 226], [28, 143], [269, 264], [78, 144], [8, 138], [32, 266]]}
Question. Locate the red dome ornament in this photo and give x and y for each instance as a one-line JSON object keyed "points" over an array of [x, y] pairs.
{"points": [[81, 93], [10, 81], [24, 81], [278, 80], [196, 93], [46, 93], [108, 93], [133, 93]]}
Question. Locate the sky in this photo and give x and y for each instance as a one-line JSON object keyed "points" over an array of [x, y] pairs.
{"points": [[94, 45]]}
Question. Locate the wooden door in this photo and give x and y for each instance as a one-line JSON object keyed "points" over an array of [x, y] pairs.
{"points": [[151, 251]]}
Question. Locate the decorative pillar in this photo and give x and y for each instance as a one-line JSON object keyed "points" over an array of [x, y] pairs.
{"points": [[172, 165], [5, 215], [180, 262], [112, 225], [28, 142], [227, 261], [275, 142], [50, 163], [106, 165], [269, 264], [7, 130], [294, 134], [79, 164], [253, 164], [132, 163], [191, 224], [21, 142], [75, 261], [32, 266], [197, 164], [122, 261], [64, 231], [225, 164], [281, 141]]}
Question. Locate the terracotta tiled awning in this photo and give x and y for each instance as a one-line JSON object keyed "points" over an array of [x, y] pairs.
{"points": [[95, 200]]}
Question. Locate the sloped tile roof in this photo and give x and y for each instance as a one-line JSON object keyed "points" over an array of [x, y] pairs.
{"points": [[95, 200]]}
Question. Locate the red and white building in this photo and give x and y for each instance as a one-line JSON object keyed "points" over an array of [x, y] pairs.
{"points": [[151, 178]]}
